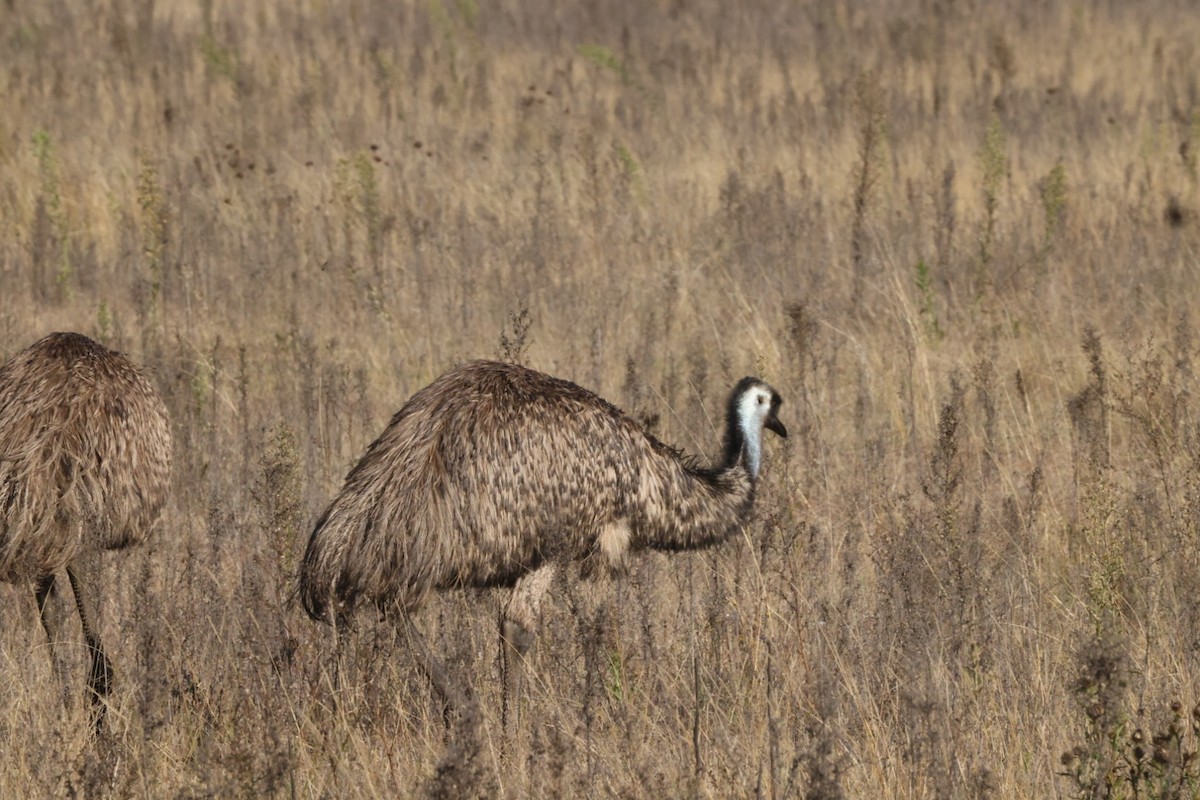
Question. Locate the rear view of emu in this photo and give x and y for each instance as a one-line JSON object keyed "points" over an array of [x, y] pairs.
{"points": [[497, 475], [85, 457]]}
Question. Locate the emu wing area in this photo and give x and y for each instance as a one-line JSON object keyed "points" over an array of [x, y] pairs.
{"points": [[516, 468]]}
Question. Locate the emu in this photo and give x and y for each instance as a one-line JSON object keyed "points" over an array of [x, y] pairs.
{"points": [[85, 459], [497, 475]]}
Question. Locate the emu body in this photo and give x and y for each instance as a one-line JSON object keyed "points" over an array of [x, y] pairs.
{"points": [[85, 458], [494, 472]]}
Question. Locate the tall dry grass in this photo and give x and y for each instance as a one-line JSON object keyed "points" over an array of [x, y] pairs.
{"points": [[960, 238]]}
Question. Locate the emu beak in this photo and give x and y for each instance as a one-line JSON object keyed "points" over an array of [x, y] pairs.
{"points": [[773, 424]]}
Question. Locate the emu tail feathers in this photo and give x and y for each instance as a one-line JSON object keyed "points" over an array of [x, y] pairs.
{"points": [[317, 582]]}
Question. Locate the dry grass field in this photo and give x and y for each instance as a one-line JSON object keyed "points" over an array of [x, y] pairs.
{"points": [[961, 239]]}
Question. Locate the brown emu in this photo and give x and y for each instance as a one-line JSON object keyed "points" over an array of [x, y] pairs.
{"points": [[497, 475], [85, 457]]}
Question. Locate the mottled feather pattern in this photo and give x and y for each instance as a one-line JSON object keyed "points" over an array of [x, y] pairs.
{"points": [[85, 454], [494, 470]]}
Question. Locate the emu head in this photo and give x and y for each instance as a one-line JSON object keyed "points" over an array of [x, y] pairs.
{"points": [[753, 406]]}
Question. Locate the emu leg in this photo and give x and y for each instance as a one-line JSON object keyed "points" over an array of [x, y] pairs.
{"points": [[83, 584], [518, 630], [462, 771], [50, 608], [515, 641], [452, 696]]}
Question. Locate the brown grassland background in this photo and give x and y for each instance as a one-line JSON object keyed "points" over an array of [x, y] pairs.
{"points": [[959, 237]]}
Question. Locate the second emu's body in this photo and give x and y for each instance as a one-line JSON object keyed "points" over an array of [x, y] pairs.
{"points": [[495, 474], [85, 455]]}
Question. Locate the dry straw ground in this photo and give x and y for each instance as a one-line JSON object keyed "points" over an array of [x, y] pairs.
{"points": [[959, 237]]}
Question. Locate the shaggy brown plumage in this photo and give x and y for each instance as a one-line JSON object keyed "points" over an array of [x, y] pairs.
{"points": [[85, 458], [495, 470]]}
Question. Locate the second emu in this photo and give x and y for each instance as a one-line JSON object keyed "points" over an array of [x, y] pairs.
{"points": [[85, 461], [497, 475]]}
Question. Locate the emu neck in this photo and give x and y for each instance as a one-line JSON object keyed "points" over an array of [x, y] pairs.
{"points": [[743, 446], [751, 449]]}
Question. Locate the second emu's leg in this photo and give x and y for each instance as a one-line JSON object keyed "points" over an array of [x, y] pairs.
{"points": [[83, 584], [50, 608]]}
